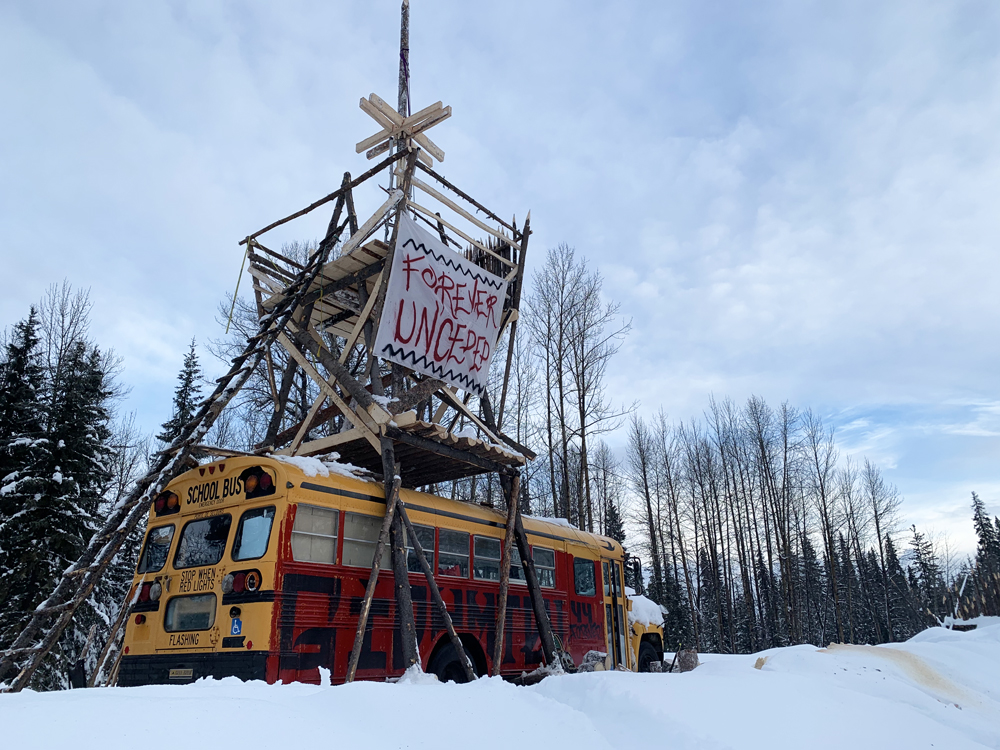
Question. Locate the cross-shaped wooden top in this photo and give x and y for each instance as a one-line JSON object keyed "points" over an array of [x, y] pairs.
{"points": [[395, 126]]}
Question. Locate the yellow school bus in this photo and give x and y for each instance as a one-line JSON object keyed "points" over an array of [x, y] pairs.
{"points": [[256, 568]]}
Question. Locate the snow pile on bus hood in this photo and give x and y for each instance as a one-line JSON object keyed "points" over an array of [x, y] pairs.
{"points": [[323, 466], [644, 611], [940, 690]]}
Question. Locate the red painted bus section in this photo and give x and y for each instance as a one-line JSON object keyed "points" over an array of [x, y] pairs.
{"points": [[316, 610]]}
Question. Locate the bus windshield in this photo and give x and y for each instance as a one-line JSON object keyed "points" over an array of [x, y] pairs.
{"points": [[203, 542], [154, 554]]}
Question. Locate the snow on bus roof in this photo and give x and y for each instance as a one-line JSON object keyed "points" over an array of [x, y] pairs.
{"points": [[322, 466]]}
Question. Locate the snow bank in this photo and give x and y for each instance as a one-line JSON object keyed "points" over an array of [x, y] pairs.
{"points": [[939, 690]]}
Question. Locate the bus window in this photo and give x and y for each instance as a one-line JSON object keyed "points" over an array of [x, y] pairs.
{"points": [[545, 566], [252, 534], [453, 557], [425, 535], [190, 613], [583, 577], [516, 569], [486, 558], [314, 535], [154, 554], [607, 579], [360, 538], [203, 541]]}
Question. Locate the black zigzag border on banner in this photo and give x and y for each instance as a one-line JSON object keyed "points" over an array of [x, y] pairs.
{"points": [[401, 355], [487, 279]]}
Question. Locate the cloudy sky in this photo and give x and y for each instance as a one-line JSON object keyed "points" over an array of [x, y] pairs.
{"points": [[790, 199]]}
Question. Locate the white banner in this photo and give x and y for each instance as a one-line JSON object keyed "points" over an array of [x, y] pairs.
{"points": [[442, 313]]}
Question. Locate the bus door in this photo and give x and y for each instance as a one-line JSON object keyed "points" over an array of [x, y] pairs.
{"points": [[614, 613]]}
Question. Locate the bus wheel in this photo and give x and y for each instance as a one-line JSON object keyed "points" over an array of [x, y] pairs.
{"points": [[447, 665], [647, 654]]}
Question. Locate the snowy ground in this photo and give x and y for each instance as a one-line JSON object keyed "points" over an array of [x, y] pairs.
{"points": [[941, 689]]}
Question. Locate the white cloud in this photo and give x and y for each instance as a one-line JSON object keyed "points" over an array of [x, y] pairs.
{"points": [[790, 201]]}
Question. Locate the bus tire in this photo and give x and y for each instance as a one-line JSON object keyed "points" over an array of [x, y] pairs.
{"points": [[447, 666], [647, 654]]}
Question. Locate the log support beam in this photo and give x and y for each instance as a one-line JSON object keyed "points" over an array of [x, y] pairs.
{"points": [[401, 577], [508, 542]]}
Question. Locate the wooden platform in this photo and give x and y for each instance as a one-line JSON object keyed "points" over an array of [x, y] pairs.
{"points": [[336, 295], [422, 449]]}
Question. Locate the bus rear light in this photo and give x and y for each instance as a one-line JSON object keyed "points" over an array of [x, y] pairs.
{"points": [[166, 503], [252, 580], [240, 581], [125, 651], [150, 592], [140, 619], [257, 482], [249, 645]]}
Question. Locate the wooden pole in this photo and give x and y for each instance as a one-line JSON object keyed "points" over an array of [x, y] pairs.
{"points": [[404, 59], [366, 604], [534, 591], [508, 542], [470, 671], [112, 642], [542, 622], [513, 326], [401, 576]]}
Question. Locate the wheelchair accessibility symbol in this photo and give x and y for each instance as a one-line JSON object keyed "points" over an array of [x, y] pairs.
{"points": [[237, 627]]}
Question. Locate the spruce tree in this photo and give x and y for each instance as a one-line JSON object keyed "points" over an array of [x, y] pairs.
{"points": [[901, 607], [23, 455], [187, 396], [21, 411], [928, 582], [55, 443], [987, 569]]}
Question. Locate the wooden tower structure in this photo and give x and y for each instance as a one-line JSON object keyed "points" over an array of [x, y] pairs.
{"points": [[395, 318]]}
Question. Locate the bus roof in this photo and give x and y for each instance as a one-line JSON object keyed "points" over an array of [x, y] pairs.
{"points": [[308, 475]]}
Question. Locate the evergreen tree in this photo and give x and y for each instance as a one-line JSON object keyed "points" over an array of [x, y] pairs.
{"points": [[712, 625], [23, 454], [187, 396], [21, 411], [58, 390], [901, 608], [987, 569], [812, 597], [928, 584], [676, 622], [848, 582]]}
